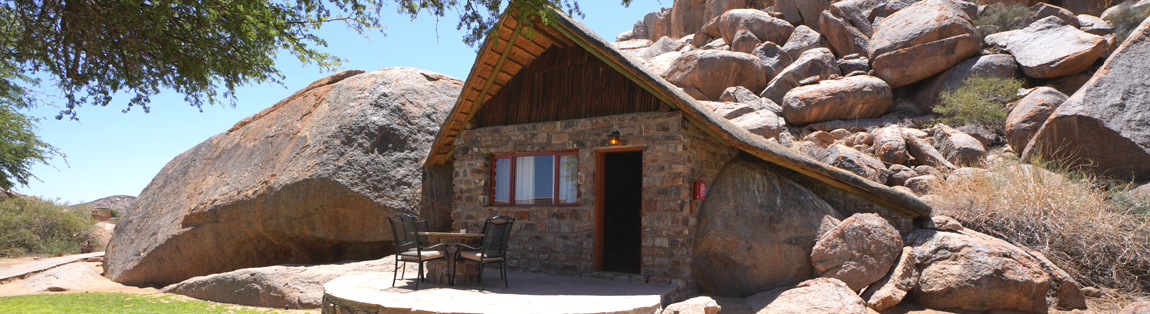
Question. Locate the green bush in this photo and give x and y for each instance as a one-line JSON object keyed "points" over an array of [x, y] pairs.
{"points": [[1004, 17], [1125, 18], [981, 100], [42, 227]]}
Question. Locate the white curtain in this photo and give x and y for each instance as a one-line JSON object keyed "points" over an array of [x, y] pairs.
{"points": [[503, 180], [524, 179]]}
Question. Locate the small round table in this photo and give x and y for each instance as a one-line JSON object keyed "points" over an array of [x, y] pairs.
{"points": [[451, 241]]}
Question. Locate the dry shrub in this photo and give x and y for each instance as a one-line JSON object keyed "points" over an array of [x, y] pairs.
{"points": [[1100, 239]]}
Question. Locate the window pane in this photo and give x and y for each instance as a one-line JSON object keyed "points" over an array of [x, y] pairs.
{"points": [[568, 172], [534, 179], [502, 180]]}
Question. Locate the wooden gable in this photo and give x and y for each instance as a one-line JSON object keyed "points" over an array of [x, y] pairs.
{"points": [[564, 83]]}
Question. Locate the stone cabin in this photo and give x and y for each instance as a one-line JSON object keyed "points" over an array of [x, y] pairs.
{"points": [[530, 137]]}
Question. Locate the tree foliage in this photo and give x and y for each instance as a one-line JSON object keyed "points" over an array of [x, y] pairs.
{"points": [[96, 50], [20, 147]]}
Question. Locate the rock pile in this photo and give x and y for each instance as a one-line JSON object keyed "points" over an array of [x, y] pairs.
{"points": [[868, 67], [864, 262]]}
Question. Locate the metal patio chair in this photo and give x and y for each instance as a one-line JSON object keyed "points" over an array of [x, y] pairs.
{"points": [[496, 233], [409, 244]]}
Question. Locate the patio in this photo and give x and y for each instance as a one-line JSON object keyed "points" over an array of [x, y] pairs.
{"points": [[527, 293]]}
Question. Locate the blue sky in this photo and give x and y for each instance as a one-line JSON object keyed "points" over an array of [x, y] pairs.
{"points": [[114, 153]]}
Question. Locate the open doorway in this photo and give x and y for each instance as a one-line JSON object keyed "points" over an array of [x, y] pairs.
{"points": [[619, 211]]}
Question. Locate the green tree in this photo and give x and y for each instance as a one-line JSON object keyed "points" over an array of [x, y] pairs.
{"points": [[20, 147], [94, 50]]}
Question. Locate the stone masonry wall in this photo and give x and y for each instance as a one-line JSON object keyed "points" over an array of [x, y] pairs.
{"points": [[560, 239]]}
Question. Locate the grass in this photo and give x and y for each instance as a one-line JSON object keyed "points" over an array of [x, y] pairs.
{"points": [[116, 302], [981, 99], [30, 225], [1004, 17], [1125, 19], [1092, 229]]}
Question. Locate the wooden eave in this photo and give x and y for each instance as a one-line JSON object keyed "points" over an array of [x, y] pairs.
{"points": [[493, 59]]}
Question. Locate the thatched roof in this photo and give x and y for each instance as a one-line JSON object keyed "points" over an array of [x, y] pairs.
{"points": [[503, 55]]}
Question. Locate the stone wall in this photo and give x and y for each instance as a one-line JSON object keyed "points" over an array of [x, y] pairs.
{"points": [[560, 239]]}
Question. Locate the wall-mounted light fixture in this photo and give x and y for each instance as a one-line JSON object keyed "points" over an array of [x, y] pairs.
{"points": [[613, 138]]}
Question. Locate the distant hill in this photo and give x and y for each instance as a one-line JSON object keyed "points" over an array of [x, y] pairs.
{"points": [[120, 203]]}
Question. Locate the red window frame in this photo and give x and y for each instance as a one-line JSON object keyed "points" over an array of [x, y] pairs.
{"points": [[511, 191]]}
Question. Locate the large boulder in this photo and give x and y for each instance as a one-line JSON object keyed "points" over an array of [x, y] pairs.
{"points": [[862, 164], [923, 39], [309, 180], [855, 97], [773, 57], [843, 37], [762, 122], [995, 65], [712, 71], [1029, 114], [924, 153], [976, 272], [860, 251], [889, 145], [818, 63], [1103, 126], [761, 24], [687, 17], [656, 24], [661, 46], [802, 39], [281, 287], [1050, 47], [958, 147], [756, 231], [815, 296]]}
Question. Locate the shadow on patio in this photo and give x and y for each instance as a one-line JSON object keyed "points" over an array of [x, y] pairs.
{"points": [[528, 293]]}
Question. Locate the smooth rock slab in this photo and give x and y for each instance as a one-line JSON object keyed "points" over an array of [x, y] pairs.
{"points": [[72, 276], [1050, 48], [815, 296], [286, 286]]}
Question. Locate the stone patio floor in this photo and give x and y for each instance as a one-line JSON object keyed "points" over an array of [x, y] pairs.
{"points": [[527, 293]]}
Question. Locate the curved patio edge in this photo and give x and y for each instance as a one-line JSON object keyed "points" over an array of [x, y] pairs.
{"points": [[526, 293]]}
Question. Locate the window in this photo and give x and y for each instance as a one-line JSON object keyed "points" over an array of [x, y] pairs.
{"points": [[535, 179]]}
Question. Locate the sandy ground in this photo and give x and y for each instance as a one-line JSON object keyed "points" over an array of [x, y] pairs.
{"points": [[16, 287], [5, 262]]}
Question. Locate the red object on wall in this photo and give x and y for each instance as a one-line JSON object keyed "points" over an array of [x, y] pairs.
{"points": [[700, 189]]}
